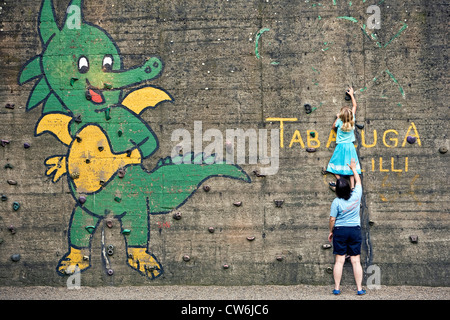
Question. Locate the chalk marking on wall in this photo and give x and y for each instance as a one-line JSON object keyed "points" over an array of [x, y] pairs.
{"points": [[258, 35], [349, 19], [395, 80]]}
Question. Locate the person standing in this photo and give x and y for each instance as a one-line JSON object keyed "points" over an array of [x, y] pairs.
{"points": [[345, 229]]}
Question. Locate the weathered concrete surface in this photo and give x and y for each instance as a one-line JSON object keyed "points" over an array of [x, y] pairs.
{"points": [[309, 55]]}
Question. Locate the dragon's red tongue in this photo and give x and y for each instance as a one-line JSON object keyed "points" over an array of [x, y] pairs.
{"points": [[97, 98]]}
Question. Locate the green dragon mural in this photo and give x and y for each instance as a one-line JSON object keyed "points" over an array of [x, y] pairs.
{"points": [[79, 83]]}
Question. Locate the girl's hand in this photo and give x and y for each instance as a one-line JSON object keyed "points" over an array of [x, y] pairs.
{"points": [[350, 91]]}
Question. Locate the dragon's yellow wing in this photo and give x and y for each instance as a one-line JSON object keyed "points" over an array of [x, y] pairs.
{"points": [[147, 97], [56, 123]]}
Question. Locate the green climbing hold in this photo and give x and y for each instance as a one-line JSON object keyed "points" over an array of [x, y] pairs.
{"points": [[117, 199], [126, 231], [90, 229]]}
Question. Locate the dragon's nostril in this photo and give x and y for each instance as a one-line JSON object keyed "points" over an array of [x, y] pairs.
{"points": [[148, 70], [156, 64]]}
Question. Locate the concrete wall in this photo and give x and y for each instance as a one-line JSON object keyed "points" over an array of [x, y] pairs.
{"points": [[233, 64]]}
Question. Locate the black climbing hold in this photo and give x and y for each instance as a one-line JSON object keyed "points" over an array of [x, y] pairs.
{"points": [[411, 139], [100, 148], [82, 199], [177, 215], [258, 174], [310, 150], [278, 203], [206, 188], [78, 138], [16, 206], [371, 223], [129, 153], [9, 106], [308, 108], [359, 126], [110, 272], [121, 173], [88, 95], [26, 145], [15, 257], [443, 150], [329, 270], [4, 197], [186, 258], [12, 182], [77, 119], [326, 246], [88, 161], [8, 166], [414, 238], [279, 258], [211, 229], [238, 203], [4, 142], [72, 81], [347, 96]]}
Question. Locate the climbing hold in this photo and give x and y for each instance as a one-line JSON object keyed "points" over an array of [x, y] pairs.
{"points": [[371, 223], [15, 257], [74, 175], [119, 133], [347, 96], [109, 223], [411, 139], [251, 238], [278, 203], [16, 206], [8, 166], [258, 174], [443, 150], [311, 149], [82, 199], [4, 198], [186, 258], [12, 229], [86, 258], [414, 238], [238, 203], [88, 95], [102, 182], [100, 148], [72, 81], [300, 257], [326, 246], [9, 106], [211, 229], [110, 272], [206, 188], [107, 114], [177, 215], [226, 266], [90, 229], [279, 258], [329, 270], [126, 231], [359, 126], [78, 138], [121, 173], [110, 250], [12, 182], [4, 142], [117, 199], [77, 118], [107, 86], [26, 145], [308, 108], [1, 240], [312, 133]]}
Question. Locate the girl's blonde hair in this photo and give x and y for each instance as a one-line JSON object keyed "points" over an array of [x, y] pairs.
{"points": [[346, 115]]}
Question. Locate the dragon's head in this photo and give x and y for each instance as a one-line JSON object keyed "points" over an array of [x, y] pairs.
{"points": [[80, 67]]}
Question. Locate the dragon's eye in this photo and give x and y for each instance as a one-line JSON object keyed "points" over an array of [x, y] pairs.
{"points": [[83, 64], [108, 62]]}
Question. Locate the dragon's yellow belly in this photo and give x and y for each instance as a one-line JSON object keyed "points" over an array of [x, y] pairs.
{"points": [[91, 162]]}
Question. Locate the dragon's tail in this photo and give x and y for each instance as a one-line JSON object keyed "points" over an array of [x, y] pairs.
{"points": [[181, 176]]}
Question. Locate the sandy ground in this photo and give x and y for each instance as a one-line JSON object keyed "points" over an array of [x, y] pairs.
{"points": [[180, 293]]}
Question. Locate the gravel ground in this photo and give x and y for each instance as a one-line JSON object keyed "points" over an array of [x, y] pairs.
{"points": [[269, 292]]}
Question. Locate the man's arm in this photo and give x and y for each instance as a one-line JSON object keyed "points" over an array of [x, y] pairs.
{"points": [[352, 166]]}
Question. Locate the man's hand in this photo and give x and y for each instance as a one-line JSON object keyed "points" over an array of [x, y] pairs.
{"points": [[330, 236], [352, 164]]}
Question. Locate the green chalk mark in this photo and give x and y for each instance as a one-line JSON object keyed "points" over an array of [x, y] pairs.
{"points": [[334, 2], [258, 35], [349, 19], [395, 80], [398, 33], [319, 17], [274, 63], [326, 49], [315, 70], [399, 104], [381, 2], [362, 89], [365, 32], [349, 3]]}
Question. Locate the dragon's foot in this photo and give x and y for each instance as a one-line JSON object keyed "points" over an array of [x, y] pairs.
{"points": [[140, 260], [73, 261]]}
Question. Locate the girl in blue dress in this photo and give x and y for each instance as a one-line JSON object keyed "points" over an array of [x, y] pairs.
{"points": [[345, 149]]}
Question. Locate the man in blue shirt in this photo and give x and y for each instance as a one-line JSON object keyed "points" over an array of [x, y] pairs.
{"points": [[345, 229]]}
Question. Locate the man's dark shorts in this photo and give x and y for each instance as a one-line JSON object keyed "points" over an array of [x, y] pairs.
{"points": [[347, 240]]}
